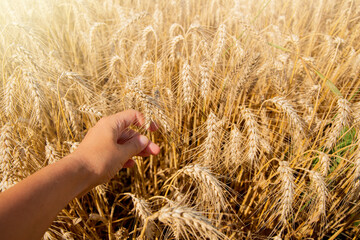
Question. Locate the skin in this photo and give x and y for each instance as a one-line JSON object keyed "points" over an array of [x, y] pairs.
{"points": [[28, 208]]}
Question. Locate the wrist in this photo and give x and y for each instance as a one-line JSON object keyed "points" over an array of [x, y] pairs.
{"points": [[86, 177]]}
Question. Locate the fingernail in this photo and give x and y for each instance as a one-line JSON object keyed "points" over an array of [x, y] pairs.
{"points": [[143, 140]]}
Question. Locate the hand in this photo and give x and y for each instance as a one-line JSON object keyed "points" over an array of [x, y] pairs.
{"points": [[110, 144]]}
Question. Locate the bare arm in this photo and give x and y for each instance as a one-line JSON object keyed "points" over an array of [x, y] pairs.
{"points": [[28, 208]]}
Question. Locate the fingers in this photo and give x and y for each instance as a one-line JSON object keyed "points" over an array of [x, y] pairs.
{"points": [[153, 127], [131, 142], [126, 134], [123, 120], [129, 164], [127, 118], [134, 146], [150, 149]]}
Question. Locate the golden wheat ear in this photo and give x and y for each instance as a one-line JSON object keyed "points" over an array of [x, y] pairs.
{"points": [[287, 186], [186, 223], [143, 212]]}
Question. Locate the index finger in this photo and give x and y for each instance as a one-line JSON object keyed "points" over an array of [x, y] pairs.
{"points": [[127, 118]]}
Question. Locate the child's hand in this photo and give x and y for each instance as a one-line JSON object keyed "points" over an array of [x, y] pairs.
{"points": [[110, 144]]}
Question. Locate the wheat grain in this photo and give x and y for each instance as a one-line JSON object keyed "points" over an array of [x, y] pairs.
{"points": [[8, 178], [158, 17], [6, 144], [93, 28], [173, 44], [144, 67], [173, 27]]}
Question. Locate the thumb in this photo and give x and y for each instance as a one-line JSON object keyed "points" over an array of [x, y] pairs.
{"points": [[134, 145]]}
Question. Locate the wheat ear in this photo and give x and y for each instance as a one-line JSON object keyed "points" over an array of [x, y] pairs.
{"points": [[186, 80], [51, 154], [89, 110], [205, 80], [342, 119], [36, 96], [173, 44], [143, 211], [318, 184], [235, 146], [212, 190], [254, 137], [6, 156], [152, 110], [289, 110], [212, 139], [324, 161], [220, 44], [287, 189], [190, 221], [9, 96], [74, 120]]}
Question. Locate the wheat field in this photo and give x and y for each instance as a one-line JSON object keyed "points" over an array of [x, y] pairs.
{"points": [[257, 104]]}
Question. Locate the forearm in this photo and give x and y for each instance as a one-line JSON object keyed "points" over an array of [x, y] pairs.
{"points": [[28, 208]]}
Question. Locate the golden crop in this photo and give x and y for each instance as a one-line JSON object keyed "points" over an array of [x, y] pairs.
{"points": [[257, 103]]}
